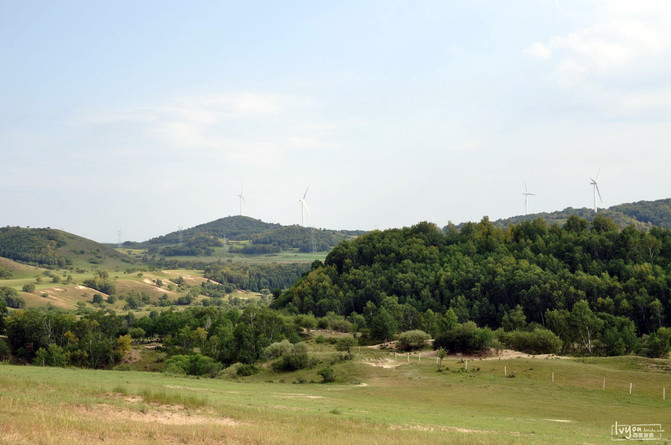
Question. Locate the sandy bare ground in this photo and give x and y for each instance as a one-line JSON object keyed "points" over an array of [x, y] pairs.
{"points": [[386, 363], [492, 354], [167, 415]]}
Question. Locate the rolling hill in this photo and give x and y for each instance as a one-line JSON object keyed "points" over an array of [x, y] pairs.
{"points": [[253, 236], [642, 214], [58, 249]]}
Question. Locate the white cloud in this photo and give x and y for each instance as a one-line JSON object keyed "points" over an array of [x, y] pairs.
{"points": [[538, 51], [252, 128], [620, 64], [626, 36]]}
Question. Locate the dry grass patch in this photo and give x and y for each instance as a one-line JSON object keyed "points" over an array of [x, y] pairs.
{"points": [[164, 414]]}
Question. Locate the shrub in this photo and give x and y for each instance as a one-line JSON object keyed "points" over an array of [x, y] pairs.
{"points": [[540, 341], [320, 339], [247, 370], [277, 349], [327, 374], [411, 340], [192, 365], [657, 344], [346, 344], [53, 355], [307, 321], [466, 337], [4, 350], [296, 359], [30, 287], [137, 333]]}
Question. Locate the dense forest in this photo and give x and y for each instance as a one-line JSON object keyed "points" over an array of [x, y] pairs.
{"points": [[618, 280]]}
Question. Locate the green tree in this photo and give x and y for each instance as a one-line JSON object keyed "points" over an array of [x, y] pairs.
{"points": [[585, 323], [383, 325], [346, 344]]}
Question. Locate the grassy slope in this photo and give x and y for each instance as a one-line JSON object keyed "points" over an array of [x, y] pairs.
{"points": [[82, 251], [411, 403]]}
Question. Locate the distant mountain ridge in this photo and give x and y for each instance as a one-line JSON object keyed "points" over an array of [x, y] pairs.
{"points": [[642, 214]]}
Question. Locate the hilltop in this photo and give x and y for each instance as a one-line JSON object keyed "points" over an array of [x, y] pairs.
{"points": [[642, 214], [246, 236], [53, 248]]}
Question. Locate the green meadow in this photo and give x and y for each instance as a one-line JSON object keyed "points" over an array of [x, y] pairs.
{"points": [[377, 398]]}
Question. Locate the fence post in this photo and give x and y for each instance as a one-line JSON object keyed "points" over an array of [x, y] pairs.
{"points": [[408, 357], [466, 365], [663, 393], [505, 371], [604, 383], [553, 377], [630, 385]]}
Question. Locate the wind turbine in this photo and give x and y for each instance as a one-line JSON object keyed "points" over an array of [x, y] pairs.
{"points": [[304, 207], [526, 198], [595, 187], [242, 200]]}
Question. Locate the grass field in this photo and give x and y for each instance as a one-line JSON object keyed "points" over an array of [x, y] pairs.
{"points": [[376, 400]]}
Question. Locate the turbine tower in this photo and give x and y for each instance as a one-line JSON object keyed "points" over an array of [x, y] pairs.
{"points": [[304, 207], [526, 198], [595, 189], [242, 201]]}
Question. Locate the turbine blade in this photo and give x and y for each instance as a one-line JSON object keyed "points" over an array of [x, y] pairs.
{"points": [[598, 192], [307, 208], [597, 175], [306, 192], [525, 186]]}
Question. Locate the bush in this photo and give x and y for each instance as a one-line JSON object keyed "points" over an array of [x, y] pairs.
{"points": [[247, 370], [411, 340], [4, 350], [29, 287], [657, 344], [137, 333], [540, 341], [53, 355], [320, 339], [466, 337], [346, 344], [305, 321], [10, 297], [277, 349], [327, 374], [192, 365], [296, 359]]}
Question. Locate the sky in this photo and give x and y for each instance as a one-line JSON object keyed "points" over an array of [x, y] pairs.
{"points": [[143, 117]]}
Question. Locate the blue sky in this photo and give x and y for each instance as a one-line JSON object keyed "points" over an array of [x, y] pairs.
{"points": [[148, 116]]}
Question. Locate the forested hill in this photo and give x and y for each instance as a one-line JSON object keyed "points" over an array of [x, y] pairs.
{"points": [[482, 273], [263, 237], [56, 248], [233, 227], [641, 214]]}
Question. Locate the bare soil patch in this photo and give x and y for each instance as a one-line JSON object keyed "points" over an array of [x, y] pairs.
{"points": [[168, 415]]}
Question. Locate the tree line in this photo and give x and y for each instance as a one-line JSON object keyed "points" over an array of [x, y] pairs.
{"points": [[590, 283]]}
